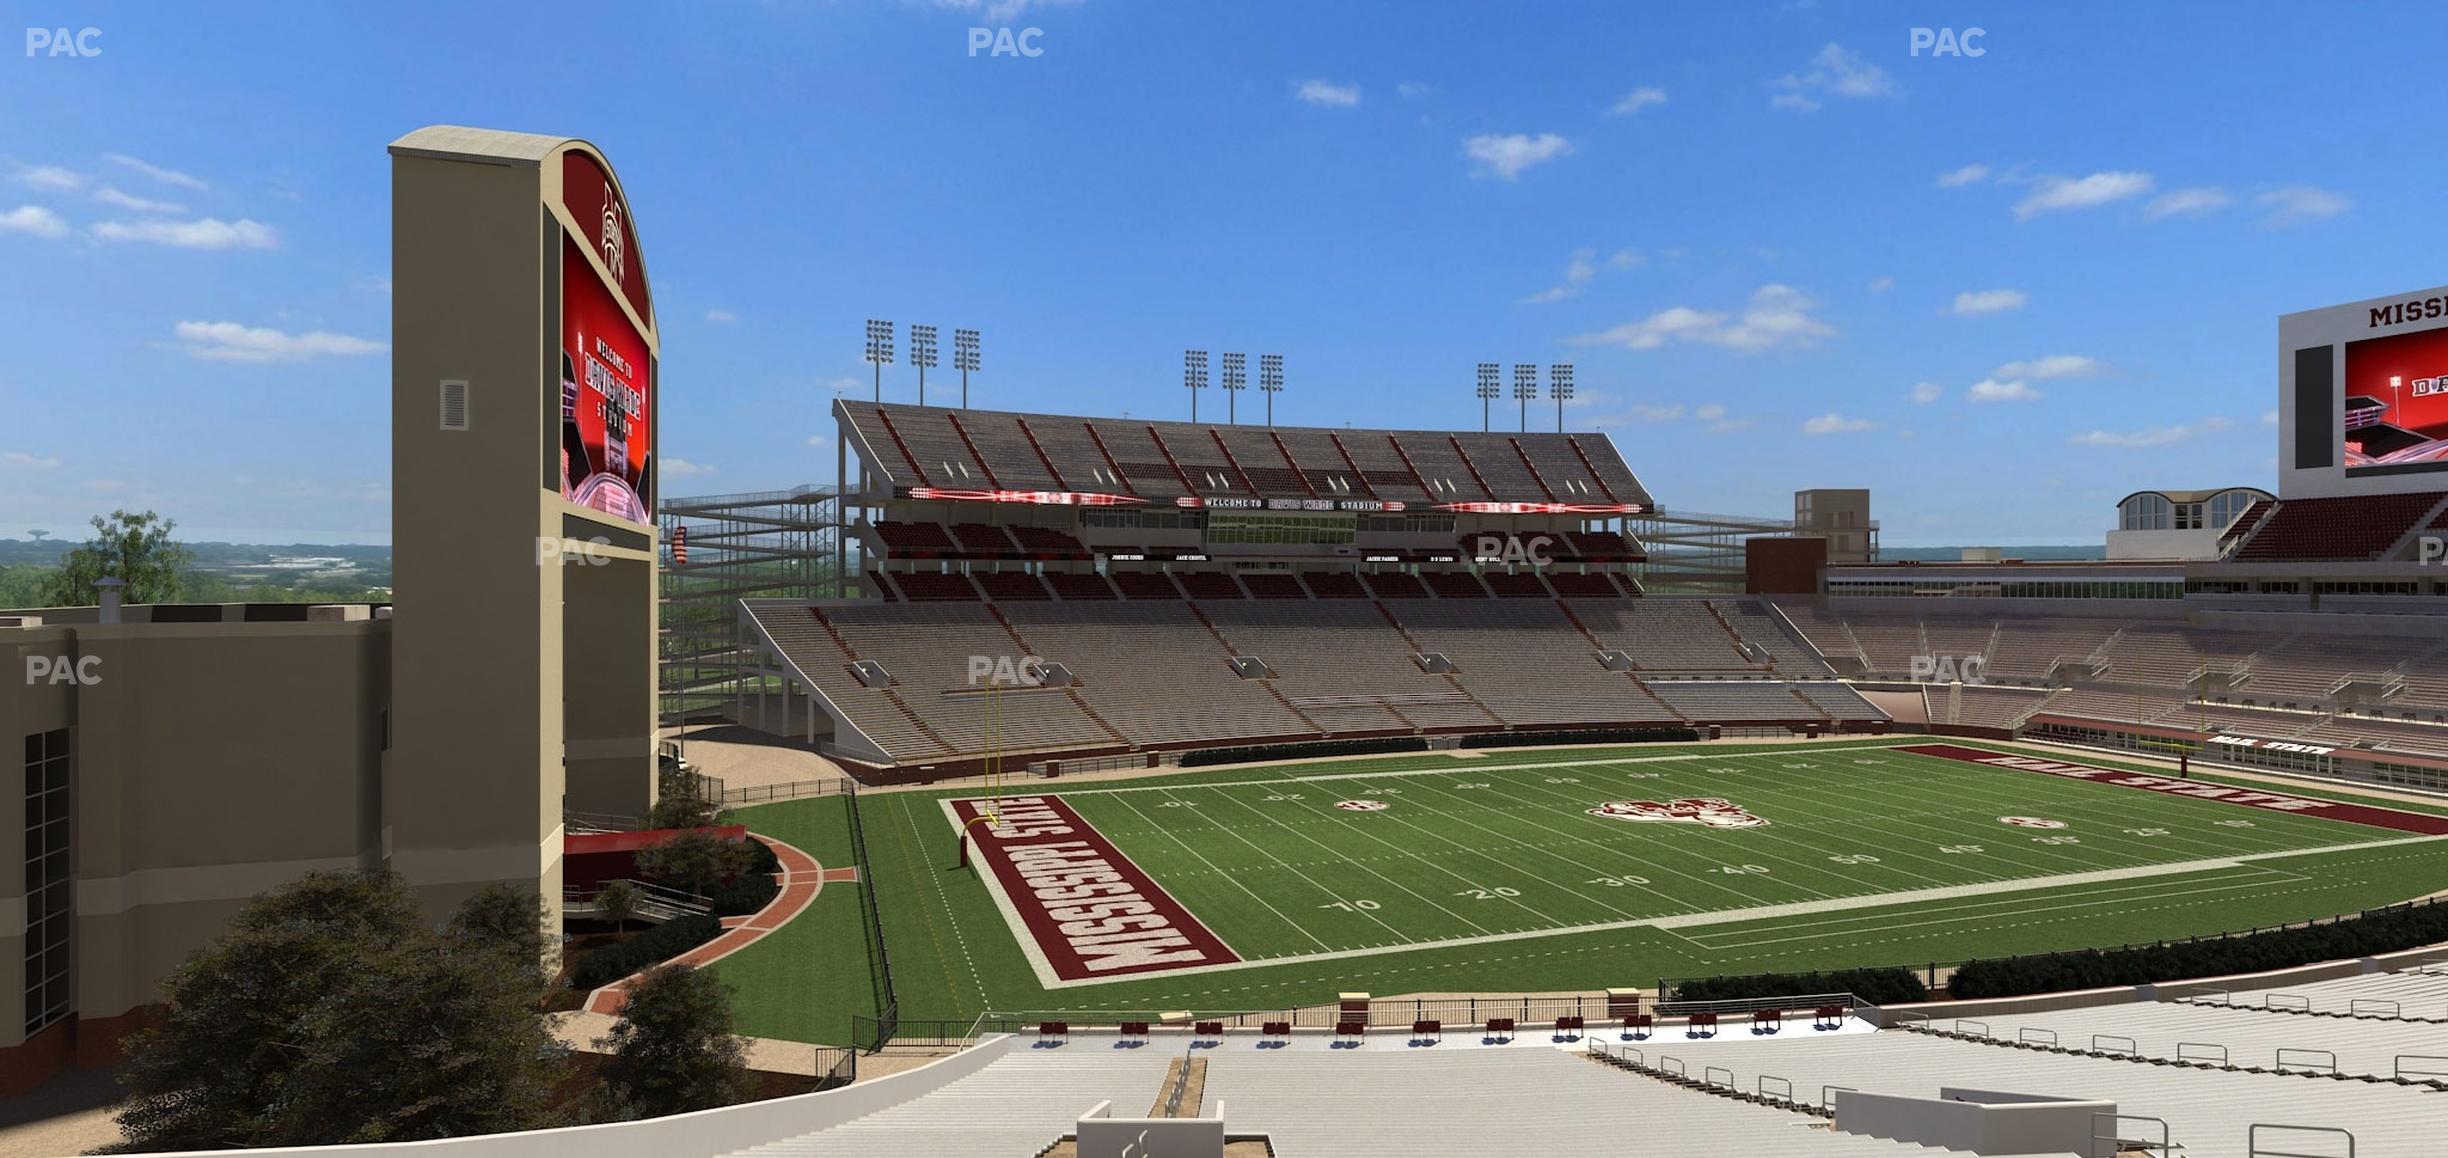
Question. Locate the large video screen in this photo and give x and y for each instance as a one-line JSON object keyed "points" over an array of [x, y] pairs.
{"points": [[2397, 401], [607, 398]]}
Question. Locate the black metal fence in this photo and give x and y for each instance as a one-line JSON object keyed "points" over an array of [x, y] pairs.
{"points": [[835, 1067], [879, 1029]]}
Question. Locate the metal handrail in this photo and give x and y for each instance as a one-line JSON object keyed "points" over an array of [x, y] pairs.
{"points": [[1961, 1022], [2398, 1068], [2029, 1033], [2182, 1046], [2252, 1141], [1707, 1076], [2165, 1147], [2331, 1065], [1829, 1103], [1760, 1087], [1680, 1070], [2131, 1046], [2271, 1000], [2354, 1008]]}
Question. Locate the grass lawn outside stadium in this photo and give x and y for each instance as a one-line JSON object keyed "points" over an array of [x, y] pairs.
{"points": [[1488, 872]]}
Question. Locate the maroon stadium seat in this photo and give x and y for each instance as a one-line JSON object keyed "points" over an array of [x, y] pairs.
{"points": [[1828, 1017], [1207, 1031], [1569, 1026], [1209, 585], [1699, 1021], [1427, 1030], [1131, 1030], [1012, 586], [1334, 585], [1053, 1032], [981, 539], [1456, 585], [1638, 1025], [1578, 585], [1277, 1032], [936, 586], [1767, 1020], [1146, 585], [1282, 586], [1081, 587], [2357, 527], [1397, 585], [1039, 542], [1500, 1029], [1518, 585], [1351, 1031]]}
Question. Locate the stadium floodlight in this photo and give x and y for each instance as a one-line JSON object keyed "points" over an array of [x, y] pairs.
{"points": [[922, 355], [1489, 388], [1194, 376], [1525, 388], [1270, 381], [1560, 388], [964, 359], [1236, 380], [879, 351]]}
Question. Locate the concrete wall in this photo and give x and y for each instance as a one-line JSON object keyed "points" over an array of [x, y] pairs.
{"points": [[1977, 1121]]}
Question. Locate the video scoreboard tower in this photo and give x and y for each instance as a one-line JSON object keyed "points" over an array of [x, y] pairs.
{"points": [[524, 458]]}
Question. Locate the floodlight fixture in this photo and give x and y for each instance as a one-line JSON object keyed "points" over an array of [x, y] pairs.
{"points": [[922, 355], [879, 351], [1525, 388], [1236, 379], [1194, 376], [964, 359], [1489, 388], [1270, 381], [1560, 388]]}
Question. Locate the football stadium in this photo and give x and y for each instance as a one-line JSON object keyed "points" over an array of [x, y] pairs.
{"points": [[1046, 778]]}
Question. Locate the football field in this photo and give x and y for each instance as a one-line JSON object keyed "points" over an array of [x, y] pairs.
{"points": [[1497, 870]]}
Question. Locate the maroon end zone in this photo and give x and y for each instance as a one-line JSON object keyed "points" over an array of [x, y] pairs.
{"points": [[1092, 912], [2364, 814]]}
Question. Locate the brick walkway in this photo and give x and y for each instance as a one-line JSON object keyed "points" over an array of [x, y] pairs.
{"points": [[801, 879]]}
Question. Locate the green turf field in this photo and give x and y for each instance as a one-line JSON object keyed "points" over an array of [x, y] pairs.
{"points": [[1487, 872]]}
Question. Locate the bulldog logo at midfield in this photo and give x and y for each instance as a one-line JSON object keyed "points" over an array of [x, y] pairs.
{"points": [[1708, 810]]}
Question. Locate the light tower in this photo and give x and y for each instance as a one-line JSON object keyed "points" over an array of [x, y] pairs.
{"points": [[964, 359], [1489, 388], [1236, 379], [1560, 388], [1525, 388], [922, 355], [1270, 381], [879, 351], [1194, 376]]}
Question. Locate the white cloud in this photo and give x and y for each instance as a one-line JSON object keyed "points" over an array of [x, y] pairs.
{"points": [[1992, 390], [2052, 366], [33, 219], [2187, 203], [21, 460], [52, 177], [2269, 418], [1835, 71], [721, 317], [203, 233], [110, 195], [1715, 415], [1776, 315], [1650, 412], [2061, 193], [1880, 285], [232, 342], [156, 172], [2300, 203], [1636, 100], [1626, 259], [683, 468], [1958, 178], [1326, 94], [1507, 155], [1709, 413], [1577, 273], [1412, 90], [1996, 301], [2150, 436], [1927, 392], [1836, 424]]}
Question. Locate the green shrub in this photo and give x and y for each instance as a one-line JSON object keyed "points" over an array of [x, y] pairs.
{"points": [[661, 943], [1889, 985], [1305, 751], [2377, 931], [744, 895]]}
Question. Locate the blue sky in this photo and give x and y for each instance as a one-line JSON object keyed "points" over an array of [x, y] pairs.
{"points": [[1782, 249]]}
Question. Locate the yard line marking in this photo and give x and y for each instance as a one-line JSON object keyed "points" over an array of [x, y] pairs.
{"points": [[1764, 912], [908, 857], [1722, 840], [1235, 878], [2085, 901], [1313, 882], [1363, 867], [1469, 770], [2002, 906], [1610, 850], [1619, 851]]}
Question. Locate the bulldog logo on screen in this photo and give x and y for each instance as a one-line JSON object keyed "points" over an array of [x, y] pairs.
{"points": [[612, 251], [1708, 810]]}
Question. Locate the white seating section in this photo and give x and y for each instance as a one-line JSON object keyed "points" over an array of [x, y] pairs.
{"points": [[1013, 1107], [2414, 993]]}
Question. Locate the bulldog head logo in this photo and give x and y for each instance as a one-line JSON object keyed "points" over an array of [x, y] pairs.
{"points": [[1708, 810]]}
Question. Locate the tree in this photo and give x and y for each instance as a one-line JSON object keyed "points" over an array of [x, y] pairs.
{"points": [[617, 902], [673, 1050], [506, 921], [330, 1012], [134, 548], [696, 861]]}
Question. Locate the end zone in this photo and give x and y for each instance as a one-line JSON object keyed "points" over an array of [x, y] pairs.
{"points": [[2427, 824], [1081, 910]]}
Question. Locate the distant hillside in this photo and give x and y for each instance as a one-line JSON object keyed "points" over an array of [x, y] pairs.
{"points": [[226, 572], [1951, 554]]}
